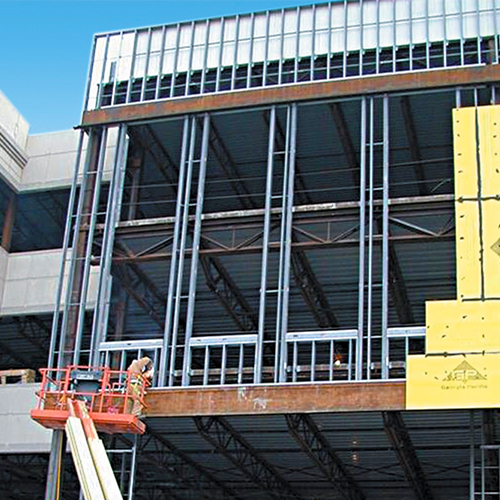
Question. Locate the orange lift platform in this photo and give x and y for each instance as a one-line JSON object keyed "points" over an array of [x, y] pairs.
{"points": [[110, 396]]}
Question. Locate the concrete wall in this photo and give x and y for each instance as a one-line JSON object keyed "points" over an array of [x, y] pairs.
{"points": [[18, 433], [31, 281], [42, 161], [13, 136], [52, 157], [51, 160]]}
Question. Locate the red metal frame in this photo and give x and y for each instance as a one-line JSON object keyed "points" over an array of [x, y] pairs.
{"points": [[110, 406]]}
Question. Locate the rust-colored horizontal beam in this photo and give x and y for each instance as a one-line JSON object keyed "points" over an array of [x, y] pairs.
{"points": [[274, 247], [353, 86], [279, 399]]}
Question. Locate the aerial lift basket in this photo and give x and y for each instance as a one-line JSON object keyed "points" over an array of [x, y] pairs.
{"points": [[109, 395]]}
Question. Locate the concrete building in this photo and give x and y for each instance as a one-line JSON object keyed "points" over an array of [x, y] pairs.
{"points": [[294, 213]]}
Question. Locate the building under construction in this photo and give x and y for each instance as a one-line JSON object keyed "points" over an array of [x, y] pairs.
{"points": [[296, 215]]}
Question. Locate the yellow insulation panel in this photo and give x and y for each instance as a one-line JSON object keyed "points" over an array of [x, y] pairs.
{"points": [[491, 246], [449, 376], [438, 382], [468, 250], [465, 152], [462, 327], [489, 150]]}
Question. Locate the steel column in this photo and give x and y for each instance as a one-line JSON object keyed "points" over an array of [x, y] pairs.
{"points": [[91, 221], [182, 251], [8, 223], [472, 457], [76, 269], [113, 210], [362, 226], [385, 239], [186, 366], [55, 466], [257, 377], [288, 215], [491, 463], [162, 378], [135, 188], [370, 240], [133, 466], [66, 238]]}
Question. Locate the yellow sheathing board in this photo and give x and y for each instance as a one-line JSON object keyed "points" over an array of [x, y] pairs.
{"points": [[491, 245], [438, 382], [465, 152], [461, 327], [489, 150], [468, 254]]}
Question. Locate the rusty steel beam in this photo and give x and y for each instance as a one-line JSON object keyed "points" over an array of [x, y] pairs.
{"points": [[399, 437], [416, 80], [95, 144], [236, 449], [302, 245], [318, 449], [411, 135], [8, 222], [413, 204], [262, 400]]}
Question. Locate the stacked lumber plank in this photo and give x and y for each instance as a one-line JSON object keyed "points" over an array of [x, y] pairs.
{"points": [[24, 376], [95, 474]]}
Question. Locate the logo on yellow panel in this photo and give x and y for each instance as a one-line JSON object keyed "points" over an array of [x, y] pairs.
{"points": [[465, 376], [496, 247]]}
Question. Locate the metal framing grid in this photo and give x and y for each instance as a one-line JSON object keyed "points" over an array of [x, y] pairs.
{"points": [[294, 45], [367, 353]]}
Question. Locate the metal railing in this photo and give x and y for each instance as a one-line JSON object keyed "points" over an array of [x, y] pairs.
{"points": [[321, 355], [120, 354], [225, 359], [313, 356]]}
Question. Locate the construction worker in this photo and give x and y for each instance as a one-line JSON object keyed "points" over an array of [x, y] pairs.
{"points": [[139, 371]]}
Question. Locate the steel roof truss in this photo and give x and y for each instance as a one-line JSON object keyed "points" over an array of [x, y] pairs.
{"points": [[227, 441], [397, 433], [314, 444]]}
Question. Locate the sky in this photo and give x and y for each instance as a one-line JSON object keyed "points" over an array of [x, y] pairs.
{"points": [[45, 46]]}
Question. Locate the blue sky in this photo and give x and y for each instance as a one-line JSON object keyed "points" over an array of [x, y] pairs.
{"points": [[45, 46]]}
